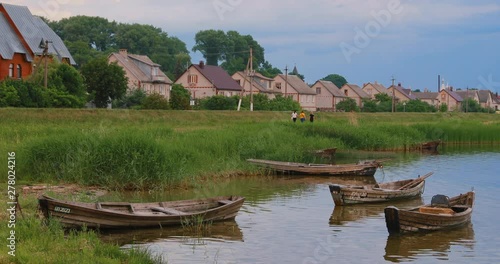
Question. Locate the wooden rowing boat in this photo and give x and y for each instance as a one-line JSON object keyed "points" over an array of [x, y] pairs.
{"points": [[374, 193], [125, 215], [442, 213], [431, 145], [363, 168]]}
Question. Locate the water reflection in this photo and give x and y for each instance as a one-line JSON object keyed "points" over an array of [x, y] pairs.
{"points": [[226, 231], [410, 247], [344, 214]]}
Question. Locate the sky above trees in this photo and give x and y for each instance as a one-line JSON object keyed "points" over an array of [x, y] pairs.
{"points": [[365, 41]]}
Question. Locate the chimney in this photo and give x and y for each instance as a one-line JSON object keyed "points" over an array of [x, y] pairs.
{"points": [[202, 64], [399, 84], [123, 52]]}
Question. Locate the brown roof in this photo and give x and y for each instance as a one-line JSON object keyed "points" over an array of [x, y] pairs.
{"points": [[425, 95], [454, 95], [259, 82], [218, 76], [300, 86], [402, 90], [466, 93], [139, 66], [332, 88], [484, 95], [358, 90], [379, 87]]}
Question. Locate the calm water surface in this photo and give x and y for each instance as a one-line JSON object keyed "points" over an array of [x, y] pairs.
{"points": [[294, 220]]}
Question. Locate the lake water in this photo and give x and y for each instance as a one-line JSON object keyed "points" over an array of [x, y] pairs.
{"points": [[293, 219]]}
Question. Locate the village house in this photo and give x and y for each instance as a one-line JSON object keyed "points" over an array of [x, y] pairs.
{"points": [[373, 89], [142, 73], [400, 93], [487, 99], [258, 82], [468, 94], [328, 95], [293, 86], [451, 99], [207, 80], [23, 40], [355, 92], [429, 97]]}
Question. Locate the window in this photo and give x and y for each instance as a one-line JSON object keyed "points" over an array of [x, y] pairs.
{"points": [[192, 78], [239, 82], [346, 92], [278, 86], [318, 90], [11, 70], [19, 71]]}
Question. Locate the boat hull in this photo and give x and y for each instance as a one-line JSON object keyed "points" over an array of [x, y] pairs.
{"points": [[129, 215], [431, 219], [347, 195], [362, 169]]}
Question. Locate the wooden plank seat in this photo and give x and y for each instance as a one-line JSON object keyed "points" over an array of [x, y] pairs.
{"points": [[167, 210], [436, 210]]}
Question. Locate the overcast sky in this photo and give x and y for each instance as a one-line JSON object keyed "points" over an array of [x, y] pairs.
{"points": [[365, 41]]}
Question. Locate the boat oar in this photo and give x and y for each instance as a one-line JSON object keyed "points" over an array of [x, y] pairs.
{"points": [[416, 181]]}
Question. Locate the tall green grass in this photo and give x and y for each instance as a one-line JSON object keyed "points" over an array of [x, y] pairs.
{"points": [[156, 149]]}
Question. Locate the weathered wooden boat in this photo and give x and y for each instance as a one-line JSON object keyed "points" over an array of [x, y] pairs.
{"points": [[126, 215], [431, 145], [442, 213], [363, 168], [382, 192]]}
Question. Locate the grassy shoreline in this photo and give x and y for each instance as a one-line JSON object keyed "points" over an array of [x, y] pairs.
{"points": [[126, 149]]}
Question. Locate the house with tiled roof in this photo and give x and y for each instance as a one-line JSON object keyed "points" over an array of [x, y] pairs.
{"points": [[468, 94], [373, 89], [355, 92], [142, 73], [22, 40], [429, 97], [487, 99], [293, 86], [400, 93], [258, 83], [449, 97], [328, 95], [207, 81]]}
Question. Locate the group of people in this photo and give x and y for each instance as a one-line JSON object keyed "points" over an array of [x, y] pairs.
{"points": [[302, 116]]}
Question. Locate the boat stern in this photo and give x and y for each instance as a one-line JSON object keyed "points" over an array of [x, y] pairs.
{"points": [[392, 219], [336, 192]]}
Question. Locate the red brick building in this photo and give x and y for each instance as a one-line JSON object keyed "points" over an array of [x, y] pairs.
{"points": [[21, 36]]}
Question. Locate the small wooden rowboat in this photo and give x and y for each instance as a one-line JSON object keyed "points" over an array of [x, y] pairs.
{"points": [[125, 215], [431, 145], [442, 213], [382, 192], [364, 168]]}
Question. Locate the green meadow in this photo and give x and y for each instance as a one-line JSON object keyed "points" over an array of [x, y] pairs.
{"points": [[156, 150], [123, 149]]}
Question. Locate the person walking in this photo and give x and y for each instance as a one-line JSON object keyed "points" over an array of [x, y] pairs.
{"points": [[302, 117], [294, 116], [311, 117]]}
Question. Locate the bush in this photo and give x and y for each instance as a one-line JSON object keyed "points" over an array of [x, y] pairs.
{"points": [[155, 101]]}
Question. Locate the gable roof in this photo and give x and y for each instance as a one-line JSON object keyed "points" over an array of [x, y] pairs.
{"points": [[9, 42], [34, 30], [258, 82], [300, 86], [140, 66], [402, 90], [379, 87], [218, 77], [467, 93], [357, 90], [426, 95], [453, 95], [332, 88], [484, 95]]}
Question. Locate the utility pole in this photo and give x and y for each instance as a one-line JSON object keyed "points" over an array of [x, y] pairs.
{"points": [[393, 94], [44, 55], [251, 79], [286, 80]]}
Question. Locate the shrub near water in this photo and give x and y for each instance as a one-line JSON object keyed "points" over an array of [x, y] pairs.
{"points": [[125, 160]]}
